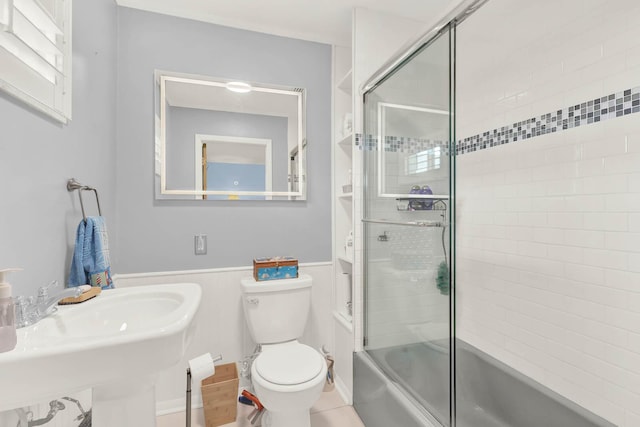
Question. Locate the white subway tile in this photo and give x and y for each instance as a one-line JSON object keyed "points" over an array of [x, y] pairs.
{"points": [[634, 345], [550, 236], [567, 154], [606, 259], [593, 167], [603, 148], [564, 187], [626, 163], [603, 68], [634, 263], [548, 204], [517, 176], [520, 233], [532, 219], [634, 222], [556, 171], [543, 266], [584, 273], [584, 238], [624, 125], [566, 220], [566, 253], [604, 184], [612, 221], [621, 81], [525, 158], [584, 344], [622, 358], [621, 395], [633, 142], [624, 280], [541, 76], [533, 189], [504, 218], [606, 296], [598, 330], [584, 92], [623, 319], [609, 409], [618, 241], [633, 57], [587, 309], [633, 182], [531, 249]]}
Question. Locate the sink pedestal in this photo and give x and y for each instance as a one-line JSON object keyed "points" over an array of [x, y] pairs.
{"points": [[125, 404], [115, 344]]}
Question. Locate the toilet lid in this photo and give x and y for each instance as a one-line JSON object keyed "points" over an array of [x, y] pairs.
{"points": [[289, 364]]}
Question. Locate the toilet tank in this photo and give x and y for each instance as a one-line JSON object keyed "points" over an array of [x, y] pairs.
{"points": [[276, 310]]}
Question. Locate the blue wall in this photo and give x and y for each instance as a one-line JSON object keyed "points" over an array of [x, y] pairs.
{"points": [[109, 144], [157, 235], [38, 217]]}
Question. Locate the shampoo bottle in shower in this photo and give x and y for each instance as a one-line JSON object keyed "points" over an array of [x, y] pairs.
{"points": [[427, 204], [415, 204], [8, 337]]}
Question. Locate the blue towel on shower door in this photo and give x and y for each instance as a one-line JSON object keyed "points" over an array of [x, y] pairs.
{"points": [[90, 264]]}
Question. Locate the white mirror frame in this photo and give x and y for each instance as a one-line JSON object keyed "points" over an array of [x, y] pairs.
{"points": [[205, 139], [161, 78]]}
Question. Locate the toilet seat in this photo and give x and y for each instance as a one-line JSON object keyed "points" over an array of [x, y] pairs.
{"points": [[289, 364]]}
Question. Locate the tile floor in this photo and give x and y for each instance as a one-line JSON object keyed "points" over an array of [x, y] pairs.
{"points": [[329, 411]]}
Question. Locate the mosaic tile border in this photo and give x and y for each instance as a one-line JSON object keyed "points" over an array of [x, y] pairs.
{"points": [[593, 111], [617, 104], [398, 144]]}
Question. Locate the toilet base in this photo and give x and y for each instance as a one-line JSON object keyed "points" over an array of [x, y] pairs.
{"points": [[287, 419]]}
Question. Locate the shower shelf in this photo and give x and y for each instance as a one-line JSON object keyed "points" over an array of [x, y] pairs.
{"points": [[413, 204], [406, 223]]}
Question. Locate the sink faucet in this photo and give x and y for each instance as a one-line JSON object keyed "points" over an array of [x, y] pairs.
{"points": [[29, 311]]}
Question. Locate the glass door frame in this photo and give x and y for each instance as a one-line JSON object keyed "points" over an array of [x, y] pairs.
{"points": [[447, 24]]}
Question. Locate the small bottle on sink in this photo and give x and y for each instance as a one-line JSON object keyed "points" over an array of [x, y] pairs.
{"points": [[8, 337]]}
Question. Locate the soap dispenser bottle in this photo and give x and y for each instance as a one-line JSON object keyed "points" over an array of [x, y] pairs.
{"points": [[8, 337]]}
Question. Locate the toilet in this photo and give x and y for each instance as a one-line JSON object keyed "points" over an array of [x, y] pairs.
{"points": [[288, 377]]}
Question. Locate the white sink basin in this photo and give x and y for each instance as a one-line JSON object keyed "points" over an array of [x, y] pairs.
{"points": [[115, 344]]}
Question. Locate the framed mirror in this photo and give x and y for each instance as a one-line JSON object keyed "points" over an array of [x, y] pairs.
{"points": [[219, 139]]}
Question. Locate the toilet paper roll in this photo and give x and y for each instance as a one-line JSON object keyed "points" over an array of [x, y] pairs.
{"points": [[201, 367]]}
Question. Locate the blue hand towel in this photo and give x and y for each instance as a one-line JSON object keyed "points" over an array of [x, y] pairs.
{"points": [[90, 264]]}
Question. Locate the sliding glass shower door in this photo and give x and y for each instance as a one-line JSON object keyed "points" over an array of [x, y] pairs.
{"points": [[407, 141]]}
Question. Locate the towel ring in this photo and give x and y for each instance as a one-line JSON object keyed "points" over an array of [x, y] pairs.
{"points": [[73, 185]]}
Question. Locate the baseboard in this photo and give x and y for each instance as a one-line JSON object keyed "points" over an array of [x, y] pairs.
{"points": [[177, 405], [343, 391]]}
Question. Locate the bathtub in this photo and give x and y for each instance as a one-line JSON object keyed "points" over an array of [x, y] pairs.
{"points": [[408, 386]]}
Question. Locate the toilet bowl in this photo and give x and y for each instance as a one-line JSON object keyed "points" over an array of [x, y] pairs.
{"points": [[288, 376]]}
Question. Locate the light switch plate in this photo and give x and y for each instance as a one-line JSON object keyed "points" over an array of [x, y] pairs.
{"points": [[200, 244]]}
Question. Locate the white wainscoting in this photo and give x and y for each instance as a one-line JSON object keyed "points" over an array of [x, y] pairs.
{"points": [[221, 327]]}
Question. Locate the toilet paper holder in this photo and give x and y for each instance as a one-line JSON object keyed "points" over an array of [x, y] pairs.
{"points": [[188, 408]]}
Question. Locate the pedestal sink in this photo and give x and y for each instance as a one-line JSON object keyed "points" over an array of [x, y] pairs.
{"points": [[115, 344]]}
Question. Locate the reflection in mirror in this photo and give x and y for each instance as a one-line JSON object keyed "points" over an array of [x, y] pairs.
{"points": [[223, 140], [226, 163], [419, 162]]}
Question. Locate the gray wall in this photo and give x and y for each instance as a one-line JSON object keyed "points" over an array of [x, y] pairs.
{"points": [[38, 217], [184, 123], [157, 235]]}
